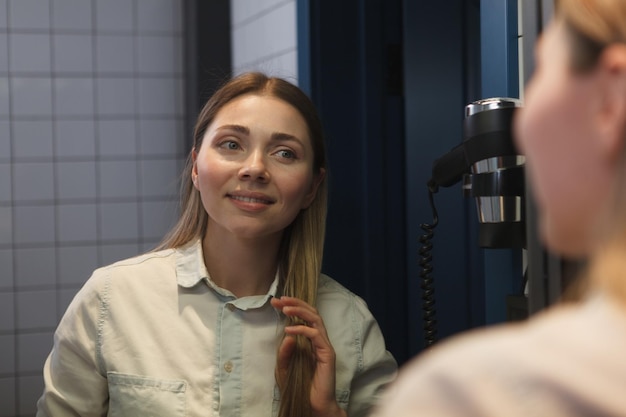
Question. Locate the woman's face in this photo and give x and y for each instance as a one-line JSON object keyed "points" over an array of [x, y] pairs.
{"points": [[254, 169], [557, 131]]}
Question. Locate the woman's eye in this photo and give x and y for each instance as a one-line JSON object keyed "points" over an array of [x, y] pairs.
{"points": [[230, 145], [287, 154]]}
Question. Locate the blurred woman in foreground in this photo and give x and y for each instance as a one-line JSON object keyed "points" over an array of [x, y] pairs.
{"points": [[569, 360]]}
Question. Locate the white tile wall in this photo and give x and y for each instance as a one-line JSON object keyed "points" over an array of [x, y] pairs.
{"points": [[152, 16], [75, 263], [118, 179], [115, 97], [114, 15], [34, 348], [160, 96], [73, 53], [6, 225], [118, 138], [6, 273], [4, 96], [35, 266], [27, 388], [155, 180], [30, 97], [44, 315], [7, 387], [74, 139], [7, 350], [243, 10], [7, 311], [157, 217], [32, 139], [3, 14], [34, 224], [4, 53], [5, 140], [159, 54], [29, 14], [34, 181], [77, 223], [264, 37], [5, 183], [76, 180], [91, 147], [72, 15], [156, 137], [119, 221], [115, 54], [73, 97], [29, 53]]}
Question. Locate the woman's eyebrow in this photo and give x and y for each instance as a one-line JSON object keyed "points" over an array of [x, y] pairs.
{"points": [[236, 128], [276, 136], [279, 136]]}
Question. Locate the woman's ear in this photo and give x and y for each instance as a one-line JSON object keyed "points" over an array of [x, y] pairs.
{"points": [[194, 168], [315, 184], [612, 112]]}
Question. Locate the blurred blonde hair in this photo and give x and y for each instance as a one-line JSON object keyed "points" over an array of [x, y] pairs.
{"points": [[302, 246]]}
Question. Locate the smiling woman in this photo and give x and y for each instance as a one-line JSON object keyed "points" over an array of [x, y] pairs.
{"points": [[231, 315], [256, 158]]}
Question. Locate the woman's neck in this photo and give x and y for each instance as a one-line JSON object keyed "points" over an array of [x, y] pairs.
{"points": [[242, 266]]}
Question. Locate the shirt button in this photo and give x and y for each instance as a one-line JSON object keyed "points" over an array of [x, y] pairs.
{"points": [[230, 307], [228, 366]]}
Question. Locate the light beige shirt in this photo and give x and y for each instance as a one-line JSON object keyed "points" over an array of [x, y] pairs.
{"points": [[567, 362], [154, 336]]}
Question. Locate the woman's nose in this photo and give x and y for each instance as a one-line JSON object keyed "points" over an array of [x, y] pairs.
{"points": [[254, 168]]}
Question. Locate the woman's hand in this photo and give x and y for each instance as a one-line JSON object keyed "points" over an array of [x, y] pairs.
{"points": [[323, 401]]}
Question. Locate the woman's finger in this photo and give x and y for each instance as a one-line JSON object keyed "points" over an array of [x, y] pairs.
{"points": [[294, 307], [283, 359]]}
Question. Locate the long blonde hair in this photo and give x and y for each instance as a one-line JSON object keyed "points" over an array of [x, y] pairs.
{"points": [[302, 246], [592, 25]]}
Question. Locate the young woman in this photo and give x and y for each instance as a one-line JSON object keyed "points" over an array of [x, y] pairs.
{"points": [[231, 315], [568, 361]]}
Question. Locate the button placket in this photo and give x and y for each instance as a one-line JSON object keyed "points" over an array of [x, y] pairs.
{"points": [[233, 337], [229, 358]]}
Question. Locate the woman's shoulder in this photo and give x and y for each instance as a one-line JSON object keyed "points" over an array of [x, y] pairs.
{"points": [[148, 265], [509, 341], [329, 288], [335, 299], [144, 260], [327, 284], [561, 349], [547, 343]]}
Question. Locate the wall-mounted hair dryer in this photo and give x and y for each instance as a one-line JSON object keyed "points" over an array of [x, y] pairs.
{"points": [[492, 171]]}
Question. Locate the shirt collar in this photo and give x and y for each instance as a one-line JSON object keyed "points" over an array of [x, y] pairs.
{"points": [[190, 270]]}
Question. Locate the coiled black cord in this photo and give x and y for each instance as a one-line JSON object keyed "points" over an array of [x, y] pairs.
{"points": [[428, 287]]}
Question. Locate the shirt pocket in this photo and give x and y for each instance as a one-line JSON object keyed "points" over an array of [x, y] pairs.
{"points": [[135, 395]]}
